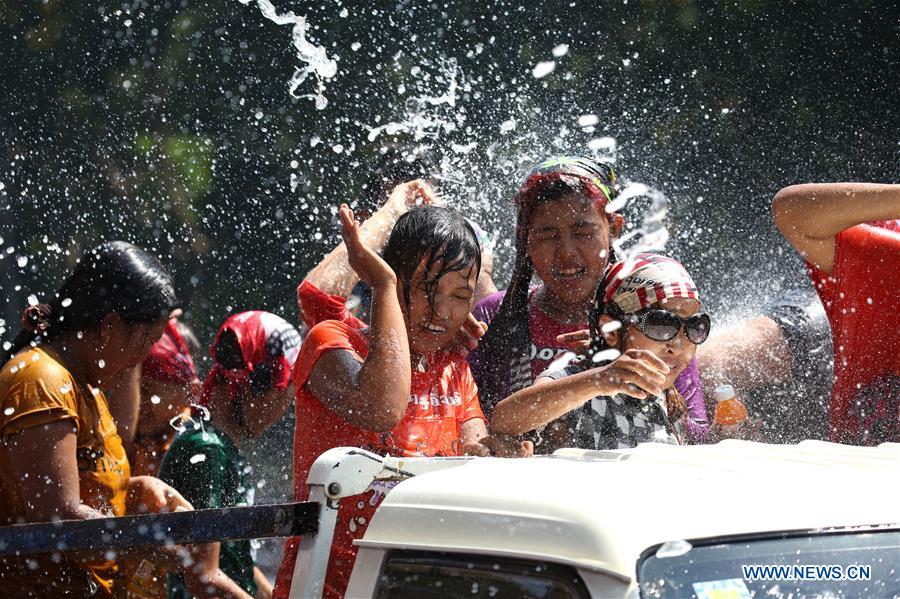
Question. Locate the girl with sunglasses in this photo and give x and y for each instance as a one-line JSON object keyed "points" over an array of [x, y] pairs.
{"points": [[648, 313]]}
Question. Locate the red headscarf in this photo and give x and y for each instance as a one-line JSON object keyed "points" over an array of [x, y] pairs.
{"points": [[263, 338], [170, 359]]}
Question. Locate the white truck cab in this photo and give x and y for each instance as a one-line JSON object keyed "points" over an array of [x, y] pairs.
{"points": [[654, 521]]}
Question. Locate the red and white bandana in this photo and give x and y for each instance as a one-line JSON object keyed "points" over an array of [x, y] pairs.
{"points": [[263, 337], [645, 279], [170, 359]]}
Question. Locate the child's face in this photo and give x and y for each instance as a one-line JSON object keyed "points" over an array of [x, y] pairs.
{"points": [[676, 352], [568, 243], [432, 325]]}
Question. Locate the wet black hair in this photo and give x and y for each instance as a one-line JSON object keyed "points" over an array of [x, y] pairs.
{"points": [[507, 344], [115, 277], [598, 309], [434, 234]]}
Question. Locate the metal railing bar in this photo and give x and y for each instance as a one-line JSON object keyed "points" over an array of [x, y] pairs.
{"points": [[200, 526]]}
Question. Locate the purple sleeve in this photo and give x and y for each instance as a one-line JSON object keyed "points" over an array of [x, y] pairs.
{"points": [[485, 311], [696, 424]]}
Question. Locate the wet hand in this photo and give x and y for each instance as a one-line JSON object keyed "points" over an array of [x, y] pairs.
{"points": [[576, 341], [409, 194], [149, 494], [638, 373], [467, 337], [501, 446], [370, 267]]}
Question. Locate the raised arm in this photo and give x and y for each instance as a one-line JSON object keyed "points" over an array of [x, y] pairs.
{"points": [[371, 393], [811, 215], [549, 399], [333, 275]]}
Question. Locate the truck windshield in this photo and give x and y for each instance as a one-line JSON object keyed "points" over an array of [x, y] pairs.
{"points": [[419, 574], [852, 564]]}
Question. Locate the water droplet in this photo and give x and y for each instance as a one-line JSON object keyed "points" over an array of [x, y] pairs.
{"points": [[606, 144], [561, 50], [542, 69], [154, 399], [673, 549], [609, 354], [609, 327], [101, 363], [66, 302], [507, 126]]}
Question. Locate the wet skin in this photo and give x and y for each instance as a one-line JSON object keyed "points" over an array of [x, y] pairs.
{"points": [[433, 325], [677, 352], [568, 243]]}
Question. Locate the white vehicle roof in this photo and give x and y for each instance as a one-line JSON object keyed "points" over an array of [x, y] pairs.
{"points": [[599, 510]]}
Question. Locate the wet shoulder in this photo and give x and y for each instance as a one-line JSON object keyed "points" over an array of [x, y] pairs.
{"points": [[36, 389], [34, 366], [331, 332]]}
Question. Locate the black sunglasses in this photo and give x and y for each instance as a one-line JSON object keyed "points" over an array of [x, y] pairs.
{"points": [[662, 325]]}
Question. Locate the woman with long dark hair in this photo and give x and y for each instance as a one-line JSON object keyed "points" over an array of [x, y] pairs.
{"points": [[60, 455]]}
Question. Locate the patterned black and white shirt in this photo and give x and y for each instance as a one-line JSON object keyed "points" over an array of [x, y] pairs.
{"points": [[620, 421]]}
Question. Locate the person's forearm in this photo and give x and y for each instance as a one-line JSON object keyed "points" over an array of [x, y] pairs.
{"points": [[333, 274], [214, 583], [263, 585], [822, 210], [748, 355], [386, 372], [542, 403]]}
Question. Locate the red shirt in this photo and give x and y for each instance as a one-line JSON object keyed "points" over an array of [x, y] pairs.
{"points": [[862, 301], [441, 400]]}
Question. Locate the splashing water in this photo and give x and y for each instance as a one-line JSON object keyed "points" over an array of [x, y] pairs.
{"points": [[315, 57], [181, 422], [426, 115], [652, 235]]}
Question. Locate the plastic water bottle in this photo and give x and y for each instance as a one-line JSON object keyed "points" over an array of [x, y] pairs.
{"points": [[729, 409]]}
